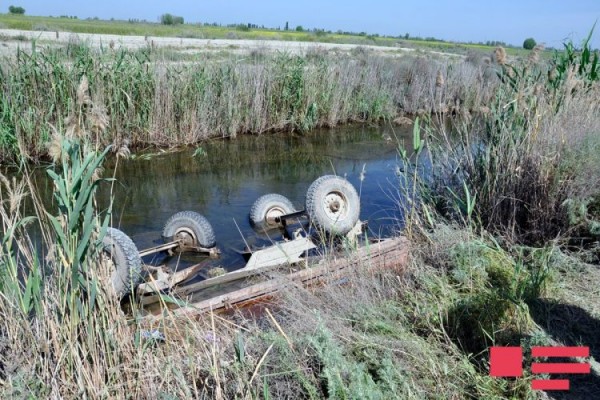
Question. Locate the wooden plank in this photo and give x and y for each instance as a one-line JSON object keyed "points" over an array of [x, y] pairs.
{"points": [[267, 259], [185, 274], [219, 280], [163, 281], [389, 253], [280, 253], [153, 285]]}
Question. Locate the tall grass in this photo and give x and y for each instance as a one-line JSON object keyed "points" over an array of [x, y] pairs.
{"points": [[153, 102], [494, 203], [54, 307], [512, 170]]}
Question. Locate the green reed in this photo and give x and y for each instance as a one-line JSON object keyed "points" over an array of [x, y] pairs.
{"points": [[151, 101]]}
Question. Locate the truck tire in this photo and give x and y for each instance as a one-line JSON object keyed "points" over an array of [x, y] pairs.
{"points": [[333, 205]]}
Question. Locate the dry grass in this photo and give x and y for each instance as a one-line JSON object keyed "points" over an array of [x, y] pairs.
{"points": [[313, 344], [520, 161], [151, 101]]}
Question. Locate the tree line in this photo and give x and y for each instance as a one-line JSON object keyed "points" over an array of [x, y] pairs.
{"points": [[16, 10]]}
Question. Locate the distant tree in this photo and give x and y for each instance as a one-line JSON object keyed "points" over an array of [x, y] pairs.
{"points": [[169, 19], [16, 10], [494, 43], [287, 26], [406, 36], [299, 28], [166, 19], [529, 44]]}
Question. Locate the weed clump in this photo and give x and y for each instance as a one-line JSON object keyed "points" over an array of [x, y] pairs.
{"points": [[500, 55], [584, 215], [490, 309]]}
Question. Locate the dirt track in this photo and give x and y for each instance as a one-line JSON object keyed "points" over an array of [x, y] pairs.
{"points": [[12, 39]]}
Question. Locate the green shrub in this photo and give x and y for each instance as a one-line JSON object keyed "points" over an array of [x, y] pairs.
{"points": [[486, 319], [582, 63], [494, 290], [168, 19], [529, 44]]}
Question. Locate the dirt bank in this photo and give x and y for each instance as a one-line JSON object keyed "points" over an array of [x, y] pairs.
{"points": [[12, 39]]}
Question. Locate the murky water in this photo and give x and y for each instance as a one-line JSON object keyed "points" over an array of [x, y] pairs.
{"points": [[223, 180]]}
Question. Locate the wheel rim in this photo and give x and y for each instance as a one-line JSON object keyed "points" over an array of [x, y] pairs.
{"points": [[335, 205], [186, 237], [272, 214]]}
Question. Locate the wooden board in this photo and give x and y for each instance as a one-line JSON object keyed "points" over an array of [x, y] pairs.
{"points": [[159, 280], [283, 253], [391, 253], [280, 253]]}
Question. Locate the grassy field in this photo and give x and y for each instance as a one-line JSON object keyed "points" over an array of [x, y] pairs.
{"points": [[9, 21], [186, 30]]}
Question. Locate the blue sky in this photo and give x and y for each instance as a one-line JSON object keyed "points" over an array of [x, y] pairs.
{"points": [[511, 21]]}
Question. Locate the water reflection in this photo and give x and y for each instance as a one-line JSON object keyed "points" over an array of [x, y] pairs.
{"points": [[223, 183]]}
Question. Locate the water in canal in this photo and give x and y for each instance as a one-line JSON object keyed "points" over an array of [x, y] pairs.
{"points": [[222, 180]]}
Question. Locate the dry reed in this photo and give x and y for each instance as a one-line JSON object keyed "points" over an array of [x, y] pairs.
{"points": [[153, 101]]}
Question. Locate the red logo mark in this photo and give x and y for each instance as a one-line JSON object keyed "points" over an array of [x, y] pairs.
{"points": [[508, 362]]}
